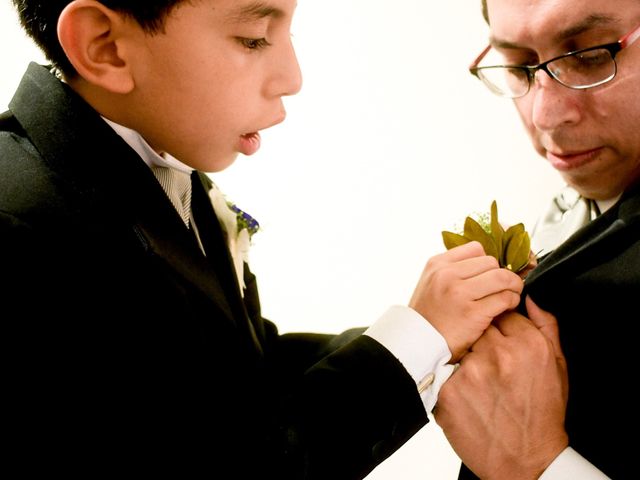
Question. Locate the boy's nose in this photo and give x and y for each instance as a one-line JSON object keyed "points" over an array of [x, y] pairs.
{"points": [[286, 78], [296, 76]]}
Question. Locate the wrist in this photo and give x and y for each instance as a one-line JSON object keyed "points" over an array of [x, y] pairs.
{"points": [[532, 465]]}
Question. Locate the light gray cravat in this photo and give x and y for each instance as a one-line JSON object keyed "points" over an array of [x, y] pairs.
{"points": [[568, 213], [177, 186]]}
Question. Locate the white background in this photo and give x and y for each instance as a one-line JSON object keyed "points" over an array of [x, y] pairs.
{"points": [[390, 142]]}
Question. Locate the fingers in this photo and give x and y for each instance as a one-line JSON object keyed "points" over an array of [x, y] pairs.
{"points": [[465, 261], [463, 252], [495, 281], [497, 303], [546, 323], [481, 273], [472, 267], [495, 291], [513, 324], [509, 324], [461, 291], [490, 336]]}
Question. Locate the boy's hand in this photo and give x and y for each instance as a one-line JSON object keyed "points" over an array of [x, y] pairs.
{"points": [[461, 291], [503, 410]]}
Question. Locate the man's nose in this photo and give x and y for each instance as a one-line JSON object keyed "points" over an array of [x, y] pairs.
{"points": [[553, 103]]}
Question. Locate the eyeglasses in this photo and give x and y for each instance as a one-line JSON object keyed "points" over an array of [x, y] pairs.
{"points": [[580, 69]]}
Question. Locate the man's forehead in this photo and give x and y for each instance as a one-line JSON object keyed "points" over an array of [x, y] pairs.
{"points": [[556, 32], [513, 29]]}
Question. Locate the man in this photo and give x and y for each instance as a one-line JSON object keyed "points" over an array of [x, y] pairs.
{"points": [[574, 76]]}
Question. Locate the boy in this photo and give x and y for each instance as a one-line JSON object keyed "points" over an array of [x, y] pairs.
{"points": [[134, 343]]}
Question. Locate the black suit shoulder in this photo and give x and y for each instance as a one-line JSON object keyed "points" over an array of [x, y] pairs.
{"points": [[29, 189]]}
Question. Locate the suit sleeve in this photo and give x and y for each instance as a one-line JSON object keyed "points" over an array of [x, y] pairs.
{"points": [[346, 402], [349, 412]]}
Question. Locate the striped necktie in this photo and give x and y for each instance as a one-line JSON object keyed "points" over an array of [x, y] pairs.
{"points": [[177, 186], [567, 214]]}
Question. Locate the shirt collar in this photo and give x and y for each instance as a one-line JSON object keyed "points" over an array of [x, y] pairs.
{"points": [[605, 205], [142, 148]]}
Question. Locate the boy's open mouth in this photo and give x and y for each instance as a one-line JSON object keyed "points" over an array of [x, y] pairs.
{"points": [[249, 143]]}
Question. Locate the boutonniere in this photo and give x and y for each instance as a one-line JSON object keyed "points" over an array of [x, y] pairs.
{"points": [[511, 247], [239, 228]]}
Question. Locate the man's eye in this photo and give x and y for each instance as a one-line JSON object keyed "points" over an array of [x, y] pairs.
{"points": [[529, 60], [594, 57], [254, 43]]}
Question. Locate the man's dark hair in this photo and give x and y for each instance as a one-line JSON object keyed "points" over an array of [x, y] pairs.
{"points": [[485, 12], [40, 20]]}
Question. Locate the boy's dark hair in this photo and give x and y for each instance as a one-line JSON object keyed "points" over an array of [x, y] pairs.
{"points": [[40, 20]]}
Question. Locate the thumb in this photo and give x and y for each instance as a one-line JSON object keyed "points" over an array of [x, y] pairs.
{"points": [[546, 323]]}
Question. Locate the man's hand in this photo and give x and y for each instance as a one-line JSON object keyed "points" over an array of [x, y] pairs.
{"points": [[461, 291], [503, 410]]}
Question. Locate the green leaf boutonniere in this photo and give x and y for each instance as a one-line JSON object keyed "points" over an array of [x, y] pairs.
{"points": [[511, 247]]}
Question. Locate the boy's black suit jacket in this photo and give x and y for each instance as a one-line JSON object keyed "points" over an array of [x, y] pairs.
{"points": [[592, 284], [126, 349]]}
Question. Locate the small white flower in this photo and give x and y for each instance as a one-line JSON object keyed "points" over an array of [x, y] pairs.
{"points": [[226, 216], [240, 254], [238, 232]]}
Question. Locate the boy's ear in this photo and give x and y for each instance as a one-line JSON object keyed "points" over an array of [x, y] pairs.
{"points": [[95, 40]]}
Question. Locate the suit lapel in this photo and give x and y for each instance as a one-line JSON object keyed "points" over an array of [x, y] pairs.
{"points": [[211, 234], [217, 251], [610, 227], [162, 232], [175, 245]]}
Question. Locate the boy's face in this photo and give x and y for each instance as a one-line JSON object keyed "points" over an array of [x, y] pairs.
{"points": [[214, 78], [589, 136]]}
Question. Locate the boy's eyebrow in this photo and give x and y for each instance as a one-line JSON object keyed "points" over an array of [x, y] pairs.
{"points": [[253, 11]]}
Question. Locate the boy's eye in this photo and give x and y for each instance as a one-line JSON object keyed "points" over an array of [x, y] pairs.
{"points": [[253, 43]]}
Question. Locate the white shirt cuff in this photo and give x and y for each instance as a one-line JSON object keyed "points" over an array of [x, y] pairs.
{"points": [[420, 348], [570, 465]]}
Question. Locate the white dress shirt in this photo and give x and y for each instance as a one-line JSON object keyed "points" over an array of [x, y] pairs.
{"points": [[146, 152], [421, 349]]}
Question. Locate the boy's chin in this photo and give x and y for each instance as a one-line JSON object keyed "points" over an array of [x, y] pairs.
{"points": [[213, 165]]}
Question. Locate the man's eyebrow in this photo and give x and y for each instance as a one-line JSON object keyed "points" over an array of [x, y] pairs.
{"points": [[254, 11], [592, 21]]}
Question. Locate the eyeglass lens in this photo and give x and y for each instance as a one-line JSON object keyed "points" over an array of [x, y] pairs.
{"points": [[579, 70], [584, 69]]}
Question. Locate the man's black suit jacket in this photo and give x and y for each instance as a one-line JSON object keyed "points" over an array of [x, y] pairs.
{"points": [[590, 283], [127, 350]]}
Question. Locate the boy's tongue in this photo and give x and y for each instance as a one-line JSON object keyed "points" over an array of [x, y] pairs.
{"points": [[249, 143]]}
